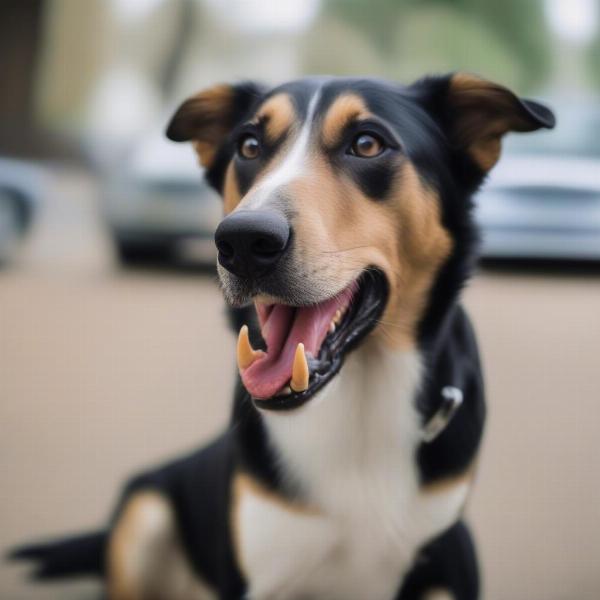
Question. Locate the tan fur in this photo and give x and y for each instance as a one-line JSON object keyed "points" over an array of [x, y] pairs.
{"points": [[213, 108], [279, 115], [122, 585], [341, 232], [145, 558], [231, 190], [243, 483], [441, 486], [484, 112], [438, 594], [205, 151], [348, 107]]}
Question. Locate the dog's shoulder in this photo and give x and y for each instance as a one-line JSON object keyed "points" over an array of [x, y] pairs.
{"points": [[183, 504], [146, 556]]}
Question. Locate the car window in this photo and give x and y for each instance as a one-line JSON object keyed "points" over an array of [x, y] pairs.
{"points": [[576, 134]]}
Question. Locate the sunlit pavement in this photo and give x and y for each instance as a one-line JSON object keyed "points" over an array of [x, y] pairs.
{"points": [[104, 371]]}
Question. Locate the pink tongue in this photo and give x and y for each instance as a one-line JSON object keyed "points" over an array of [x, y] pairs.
{"points": [[283, 328]]}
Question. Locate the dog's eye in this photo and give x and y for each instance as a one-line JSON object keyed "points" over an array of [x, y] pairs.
{"points": [[367, 145], [249, 146]]}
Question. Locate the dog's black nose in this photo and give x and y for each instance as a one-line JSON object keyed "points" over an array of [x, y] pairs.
{"points": [[250, 242]]}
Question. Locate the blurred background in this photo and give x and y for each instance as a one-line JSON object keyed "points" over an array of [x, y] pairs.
{"points": [[114, 350]]}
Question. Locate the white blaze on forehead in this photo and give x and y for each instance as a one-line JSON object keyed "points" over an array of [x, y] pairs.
{"points": [[293, 163]]}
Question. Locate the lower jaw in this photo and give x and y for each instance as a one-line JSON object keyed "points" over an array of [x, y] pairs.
{"points": [[297, 399], [361, 319]]}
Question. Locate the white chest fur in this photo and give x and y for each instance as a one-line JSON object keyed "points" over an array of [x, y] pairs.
{"points": [[350, 451]]}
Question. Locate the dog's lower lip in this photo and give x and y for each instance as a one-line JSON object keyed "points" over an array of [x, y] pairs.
{"points": [[348, 330]]}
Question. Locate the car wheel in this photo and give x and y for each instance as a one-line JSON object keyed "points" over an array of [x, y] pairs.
{"points": [[11, 228], [136, 253]]}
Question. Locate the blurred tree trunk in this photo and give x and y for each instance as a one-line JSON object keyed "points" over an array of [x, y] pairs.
{"points": [[20, 42], [174, 58], [20, 37]]}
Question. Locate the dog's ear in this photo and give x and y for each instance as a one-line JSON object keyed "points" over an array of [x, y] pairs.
{"points": [[476, 113], [208, 117]]}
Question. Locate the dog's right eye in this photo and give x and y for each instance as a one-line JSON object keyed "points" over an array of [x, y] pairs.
{"points": [[249, 146], [367, 145]]}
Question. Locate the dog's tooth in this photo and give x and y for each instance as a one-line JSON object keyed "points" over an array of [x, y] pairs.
{"points": [[246, 355], [331, 327], [300, 372], [284, 391]]}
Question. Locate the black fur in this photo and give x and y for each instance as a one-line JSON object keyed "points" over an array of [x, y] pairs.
{"points": [[453, 360], [247, 170], [447, 563], [78, 555], [198, 488]]}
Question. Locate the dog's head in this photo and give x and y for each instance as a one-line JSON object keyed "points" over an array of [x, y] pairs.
{"points": [[347, 207]]}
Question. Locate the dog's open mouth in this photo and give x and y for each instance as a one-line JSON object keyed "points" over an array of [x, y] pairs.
{"points": [[306, 345]]}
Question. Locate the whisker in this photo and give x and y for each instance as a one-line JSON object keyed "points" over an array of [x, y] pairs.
{"points": [[388, 334], [389, 323], [344, 250]]}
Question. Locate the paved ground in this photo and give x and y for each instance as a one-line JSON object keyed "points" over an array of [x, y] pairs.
{"points": [[104, 371]]}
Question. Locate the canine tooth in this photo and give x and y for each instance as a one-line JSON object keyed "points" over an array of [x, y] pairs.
{"points": [[246, 355], [300, 372], [331, 327]]}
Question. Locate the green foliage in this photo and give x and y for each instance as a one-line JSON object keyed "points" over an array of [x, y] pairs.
{"points": [[335, 47], [521, 26], [593, 62], [439, 40], [376, 19], [507, 39]]}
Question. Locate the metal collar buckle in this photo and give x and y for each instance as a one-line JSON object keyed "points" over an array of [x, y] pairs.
{"points": [[452, 400]]}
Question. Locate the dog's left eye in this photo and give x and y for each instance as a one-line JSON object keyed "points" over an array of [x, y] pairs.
{"points": [[367, 145], [249, 147]]}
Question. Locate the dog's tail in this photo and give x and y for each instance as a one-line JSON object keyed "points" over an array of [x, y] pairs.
{"points": [[68, 557]]}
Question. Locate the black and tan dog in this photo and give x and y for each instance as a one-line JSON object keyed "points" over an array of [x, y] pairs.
{"points": [[357, 420]]}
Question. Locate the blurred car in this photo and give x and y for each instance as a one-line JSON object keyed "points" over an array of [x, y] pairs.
{"points": [[542, 200], [20, 189], [157, 200]]}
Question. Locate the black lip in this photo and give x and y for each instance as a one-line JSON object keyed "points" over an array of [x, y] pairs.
{"points": [[366, 308]]}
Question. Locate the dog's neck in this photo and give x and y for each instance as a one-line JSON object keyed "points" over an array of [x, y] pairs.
{"points": [[361, 426]]}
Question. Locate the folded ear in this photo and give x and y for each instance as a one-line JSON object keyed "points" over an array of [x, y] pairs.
{"points": [[476, 114], [209, 116]]}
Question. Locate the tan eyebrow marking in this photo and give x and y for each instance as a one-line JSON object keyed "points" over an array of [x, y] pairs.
{"points": [[348, 107], [278, 113], [231, 191]]}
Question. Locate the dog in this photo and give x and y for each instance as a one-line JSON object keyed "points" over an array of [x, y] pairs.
{"points": [[359, 410]]}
